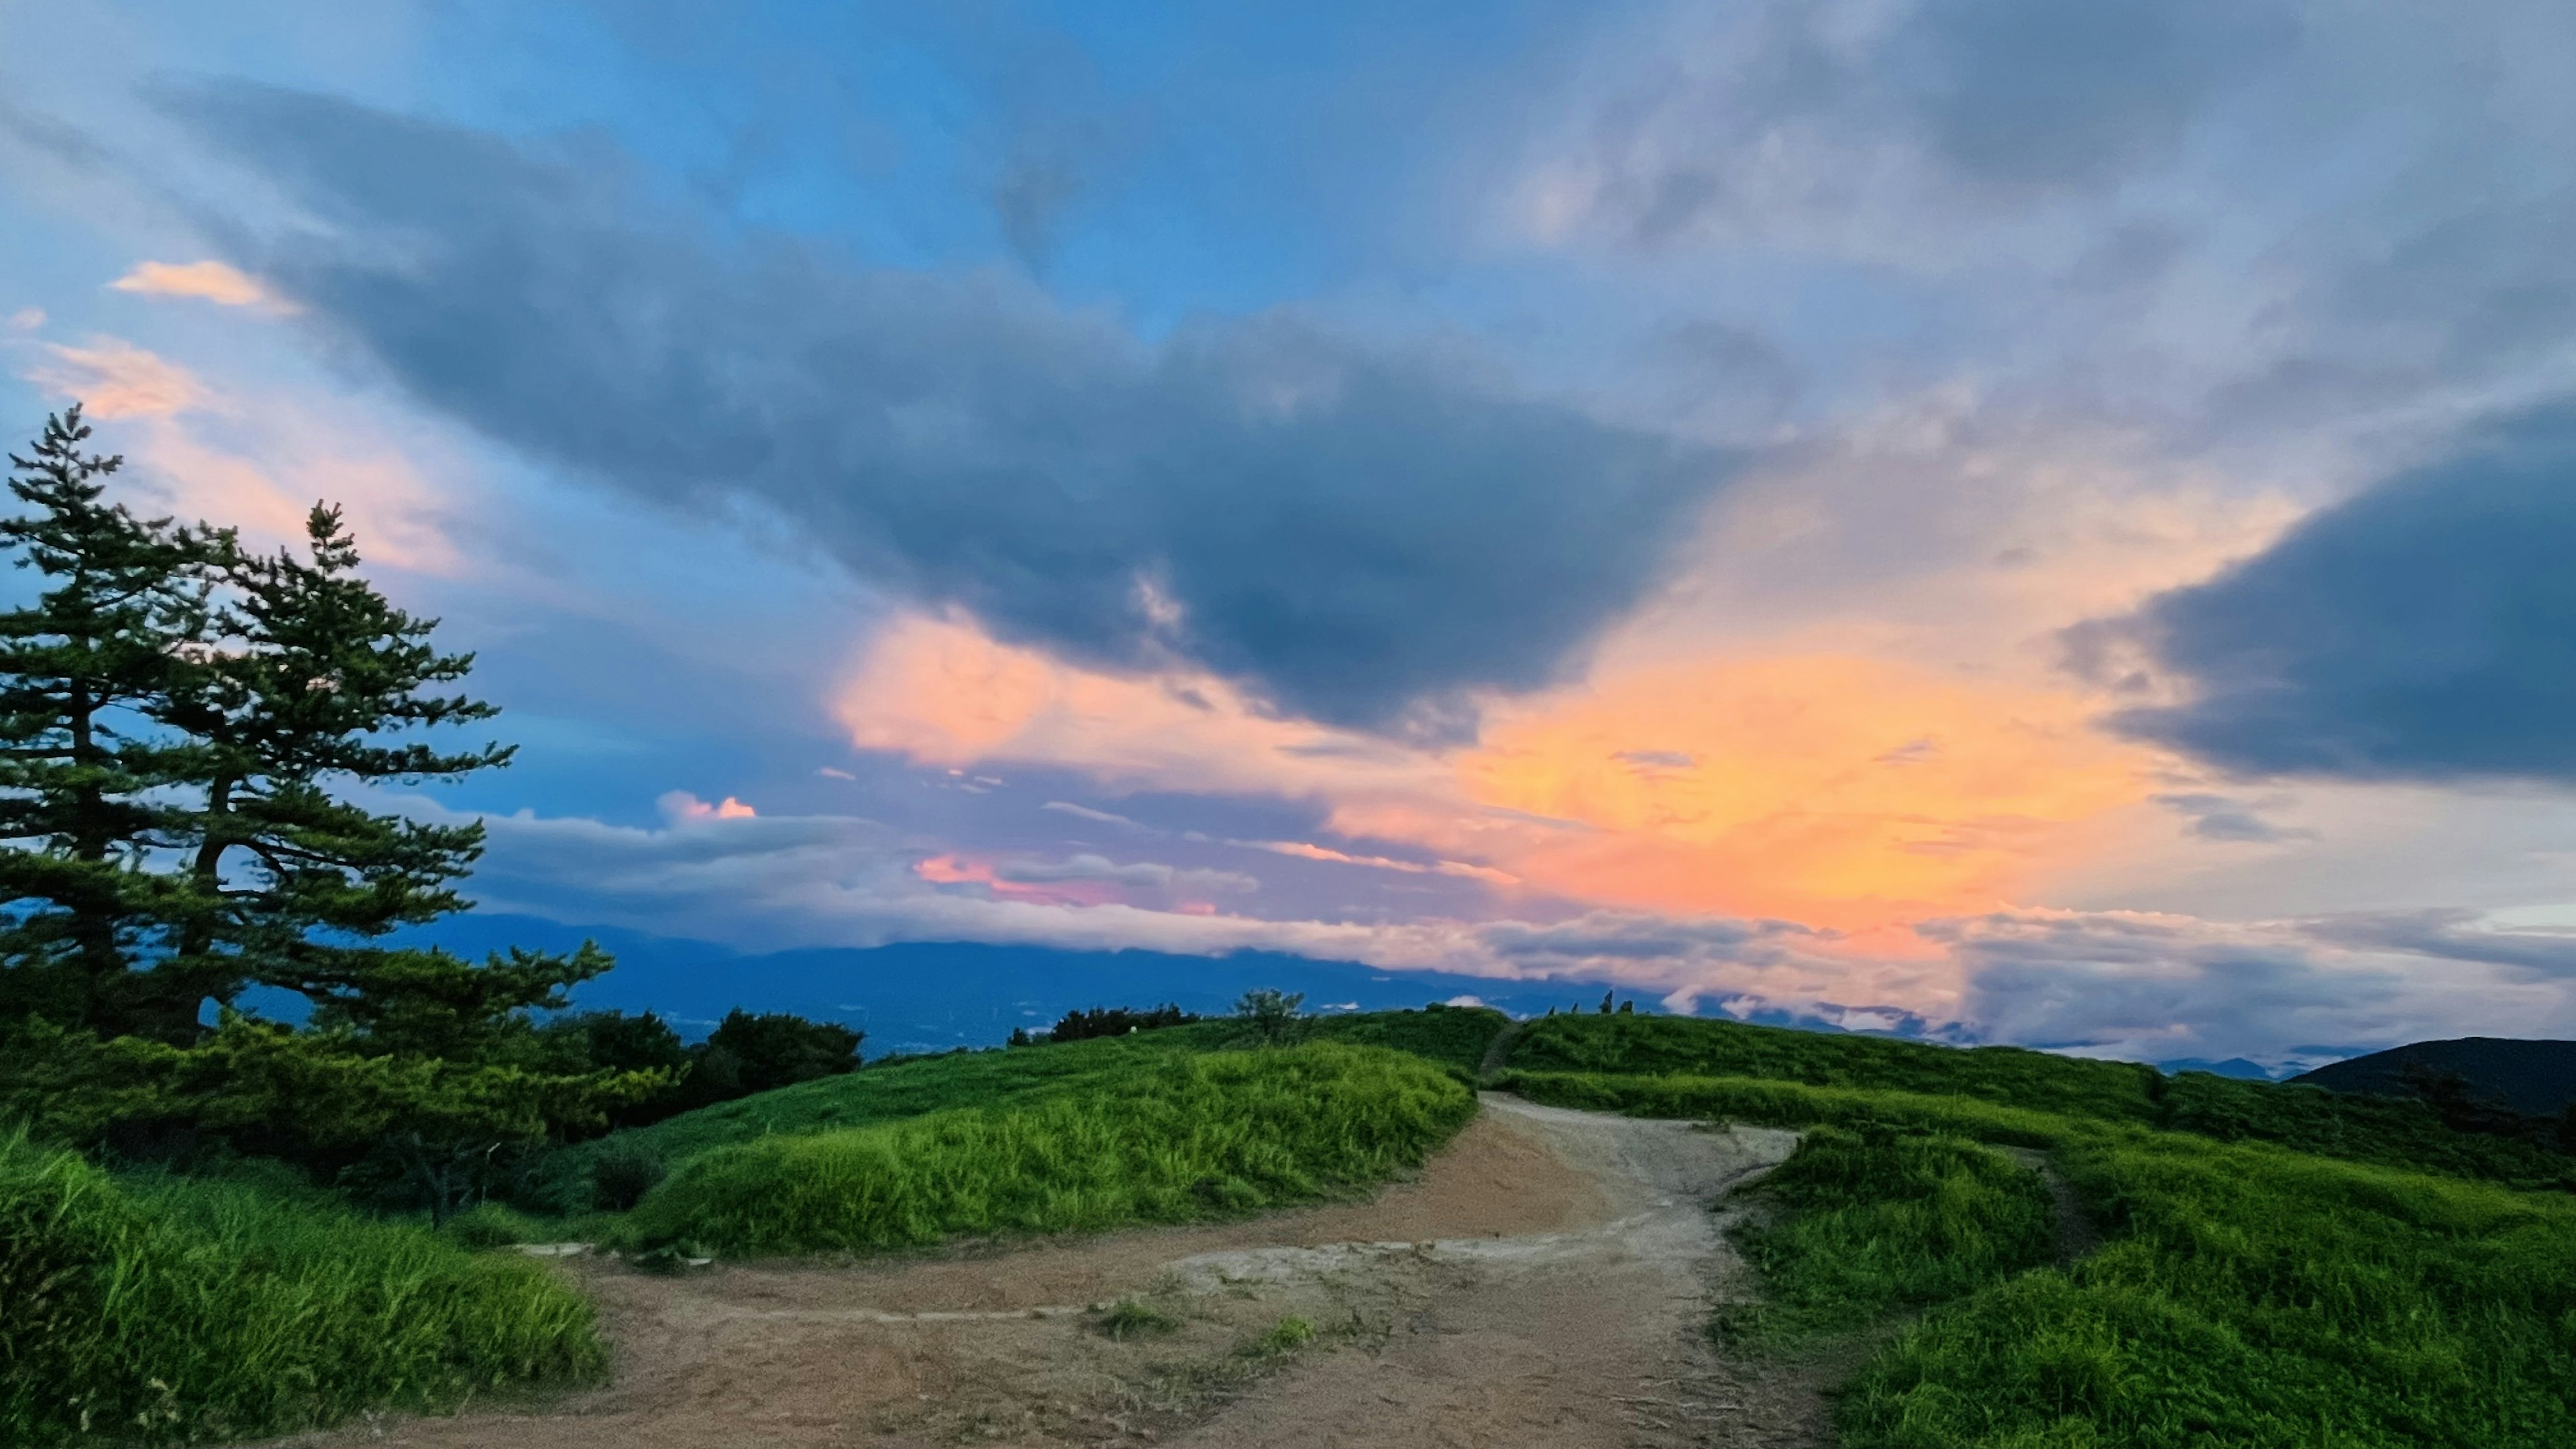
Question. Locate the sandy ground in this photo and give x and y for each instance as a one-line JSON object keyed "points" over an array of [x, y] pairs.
{"points": [[1545, 1282]]}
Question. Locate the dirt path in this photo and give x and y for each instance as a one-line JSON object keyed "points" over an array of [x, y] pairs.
{"points": [[1544, 1282]]}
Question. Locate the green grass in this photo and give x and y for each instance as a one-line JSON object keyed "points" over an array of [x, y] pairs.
{"points": [[1453, 1036], [1127, 1318], [2254, 1297], [1685, 1046], [917, 1086], [1168, 1137], [2247, 1294], [169, 1310], [1876, 1220], [2384, 1130]]}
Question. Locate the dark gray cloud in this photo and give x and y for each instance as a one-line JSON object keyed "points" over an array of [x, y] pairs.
{"points": [[2043, 92], [1357, 535], [2425, 628], [2450, 934], [2222, 817], [2032, 96]]}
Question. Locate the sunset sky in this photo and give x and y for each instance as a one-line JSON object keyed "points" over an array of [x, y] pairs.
{"points": [[2003, 519]]}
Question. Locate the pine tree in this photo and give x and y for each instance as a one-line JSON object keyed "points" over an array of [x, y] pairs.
{"points": [[87, 773], [316, 683], [181, 721]]}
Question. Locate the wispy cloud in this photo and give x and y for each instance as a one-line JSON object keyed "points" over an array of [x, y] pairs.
{"points": [[114, 378], [208, 281]]}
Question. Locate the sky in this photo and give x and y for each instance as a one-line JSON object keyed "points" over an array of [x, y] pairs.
{"points": [[1994, 519]]}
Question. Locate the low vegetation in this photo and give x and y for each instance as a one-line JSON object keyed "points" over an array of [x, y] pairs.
{"points": [[166, 1310], [1708, 1061], [1874, 1220], [602, 1173], [2268, 1276], [1164, 1140], [2253, 1296]]}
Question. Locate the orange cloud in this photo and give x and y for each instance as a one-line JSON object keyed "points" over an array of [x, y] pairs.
{"points": [[942, 692], [1842, 791], [206, 281], [1839, 791]]}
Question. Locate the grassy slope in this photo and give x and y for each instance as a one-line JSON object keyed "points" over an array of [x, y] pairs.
{"points": [[1875, 1220], [2248, 1295], [1159, 1135], [915, 1086], [2367, 1129], [179, 1311]]}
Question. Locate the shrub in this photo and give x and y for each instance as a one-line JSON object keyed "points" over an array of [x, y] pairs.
{"points": [[490, 1225], [778, 1049], [1286, 1336], [1128, 1318], [1270, 1016], [621, 1174], [1116, 1021], [174, 1310]]}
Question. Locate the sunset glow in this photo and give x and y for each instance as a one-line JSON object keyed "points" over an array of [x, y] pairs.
{"points": [[1950, 520]]}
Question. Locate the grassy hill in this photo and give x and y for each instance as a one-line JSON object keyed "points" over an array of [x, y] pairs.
{"points": [[897, 1089], [1155, 1126], [2277, 1266], [1716, 1061], [2200, 1262]]}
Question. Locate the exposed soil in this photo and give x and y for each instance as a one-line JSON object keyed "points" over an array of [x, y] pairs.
{"points": [[1544, 1282]]}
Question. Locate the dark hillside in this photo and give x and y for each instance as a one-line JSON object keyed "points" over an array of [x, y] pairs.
{"points": [[2536, 1078]]}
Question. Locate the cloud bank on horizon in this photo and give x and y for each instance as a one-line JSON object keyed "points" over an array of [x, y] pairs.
{"points": [[2045, 523]]}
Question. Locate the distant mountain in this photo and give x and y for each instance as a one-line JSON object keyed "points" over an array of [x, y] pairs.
{"points": [[2232, 1067], [932, 996], [2533, 1077]]}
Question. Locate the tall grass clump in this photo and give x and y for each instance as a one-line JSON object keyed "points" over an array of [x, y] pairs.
{"points": [[1179, 1137], [2258, 1298], [177, 1311], [1873, 1220]]}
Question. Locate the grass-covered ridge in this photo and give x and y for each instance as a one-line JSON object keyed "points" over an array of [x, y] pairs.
{"points": [[2246, 1294], [1157, 1136], [171, 1311], [1448, 1037], [1696, 1054]]}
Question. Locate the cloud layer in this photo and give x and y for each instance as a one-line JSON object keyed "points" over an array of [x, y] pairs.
{"points": [[1360, 536], [2424, 629]]}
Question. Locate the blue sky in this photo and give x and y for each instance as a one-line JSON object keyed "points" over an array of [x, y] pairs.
{"points": [[2037, 520]]}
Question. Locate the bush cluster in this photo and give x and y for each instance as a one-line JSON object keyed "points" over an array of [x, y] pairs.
{"points": [[1116, 1021]]}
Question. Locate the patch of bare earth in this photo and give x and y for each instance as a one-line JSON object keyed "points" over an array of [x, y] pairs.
{"points": [[1545, 1281]]}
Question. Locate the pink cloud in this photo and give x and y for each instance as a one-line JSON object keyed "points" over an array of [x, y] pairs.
{"points": [[680, 805], [206, 281], [113, 378]]}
